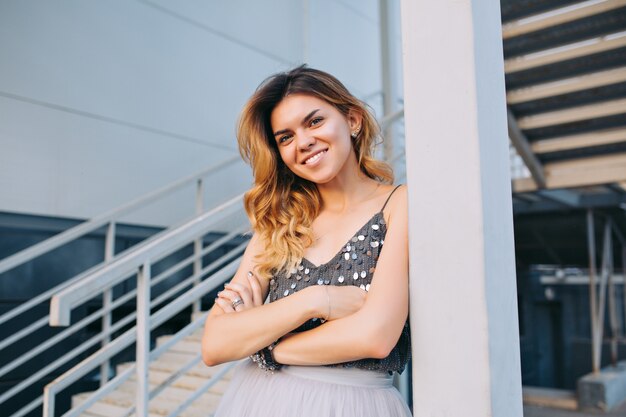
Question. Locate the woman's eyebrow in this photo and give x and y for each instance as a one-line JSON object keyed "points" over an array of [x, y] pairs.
{"points": [[304, 121]]}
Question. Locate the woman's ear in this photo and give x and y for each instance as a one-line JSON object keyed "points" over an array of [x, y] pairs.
{"points": [[355, 120]]}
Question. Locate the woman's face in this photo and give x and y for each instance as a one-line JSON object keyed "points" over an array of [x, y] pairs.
{"points": [[313, 137]]}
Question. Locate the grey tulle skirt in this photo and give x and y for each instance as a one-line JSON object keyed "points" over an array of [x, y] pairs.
{"points": [[310, 391]]}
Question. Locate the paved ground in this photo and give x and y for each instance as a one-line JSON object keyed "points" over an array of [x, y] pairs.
{"points": [[536, 411]]}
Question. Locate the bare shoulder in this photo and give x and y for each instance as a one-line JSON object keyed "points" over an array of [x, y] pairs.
{"points": [[397, 206]]}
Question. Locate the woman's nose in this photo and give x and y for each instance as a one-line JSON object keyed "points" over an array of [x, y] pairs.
{"points": [[305, 141]]}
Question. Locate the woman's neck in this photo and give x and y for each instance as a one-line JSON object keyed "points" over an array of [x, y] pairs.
{"points": [[343, 193]]}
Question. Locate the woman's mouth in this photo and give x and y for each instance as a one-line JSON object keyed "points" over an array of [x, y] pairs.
{"points": [[315, 157]]}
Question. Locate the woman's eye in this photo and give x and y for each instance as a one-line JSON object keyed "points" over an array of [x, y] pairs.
{"points": [[316, 121], [284, 138]]}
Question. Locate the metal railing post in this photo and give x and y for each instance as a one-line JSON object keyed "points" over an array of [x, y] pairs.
{"points": [[107, 300], [606, 244], [49, 397], [624, 285], [197, 244], [143, 339], [613, 319], [598, 335], [591, 247]]}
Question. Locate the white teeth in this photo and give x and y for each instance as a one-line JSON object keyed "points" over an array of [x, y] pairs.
{"points": [[314, 158]]}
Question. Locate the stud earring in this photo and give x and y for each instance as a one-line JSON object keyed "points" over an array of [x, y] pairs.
{"points": [[355, 134]]}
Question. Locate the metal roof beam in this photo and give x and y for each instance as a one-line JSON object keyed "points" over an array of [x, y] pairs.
{"points": [[580, 172], [519, 141], [583, 140], [574, 114], [562, 53], [558, 16], [567, 85]]}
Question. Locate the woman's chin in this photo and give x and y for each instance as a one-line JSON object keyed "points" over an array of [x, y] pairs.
{"points": [[317, 177]]}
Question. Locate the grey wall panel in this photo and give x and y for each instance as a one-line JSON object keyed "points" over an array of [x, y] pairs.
{"points": [[346, 44], [273, 28], [103, 101]]}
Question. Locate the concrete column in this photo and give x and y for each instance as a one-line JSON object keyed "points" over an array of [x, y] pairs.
{"points": [[463, 293]]}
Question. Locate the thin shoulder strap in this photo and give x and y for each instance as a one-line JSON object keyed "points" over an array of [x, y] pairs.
{"points": [[390, 194]]}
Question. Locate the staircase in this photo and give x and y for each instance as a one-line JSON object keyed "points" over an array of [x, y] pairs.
{"points": [[117, 403], [103, 311]]}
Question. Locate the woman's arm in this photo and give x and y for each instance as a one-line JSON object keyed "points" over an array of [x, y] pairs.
{"points": [[230, 337], [374, 330]]}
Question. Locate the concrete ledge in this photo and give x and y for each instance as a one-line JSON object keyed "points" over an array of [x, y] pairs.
{"points": [[603, 391], [550, 397]]}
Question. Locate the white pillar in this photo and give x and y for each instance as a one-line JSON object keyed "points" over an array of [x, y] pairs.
{"points": [[463, 292]]}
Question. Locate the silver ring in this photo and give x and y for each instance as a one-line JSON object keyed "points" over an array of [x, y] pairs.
{"points": [[237, 302]]}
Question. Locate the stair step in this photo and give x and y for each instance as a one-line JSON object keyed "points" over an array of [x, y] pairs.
{"points": [[103, 409], [123, 396], [166, 364], [206, 400], [180, 354], [185, 381], [188, 382], [117, 402], [170, 362], [187, 345]]}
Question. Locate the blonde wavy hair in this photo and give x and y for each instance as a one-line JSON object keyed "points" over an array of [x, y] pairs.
{"points": [[282, 206]]}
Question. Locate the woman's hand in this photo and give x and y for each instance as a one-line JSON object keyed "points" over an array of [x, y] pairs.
{"points": [[342, 300], [250, 295]]}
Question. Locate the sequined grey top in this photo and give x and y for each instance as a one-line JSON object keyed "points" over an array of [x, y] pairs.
{"points": [[354, 264]]}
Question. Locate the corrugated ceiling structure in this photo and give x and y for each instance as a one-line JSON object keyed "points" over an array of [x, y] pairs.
{"points": [[565, 72]]}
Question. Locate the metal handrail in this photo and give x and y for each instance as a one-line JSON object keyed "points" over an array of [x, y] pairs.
{"points": [[119, 270], [123, 299], [44, 320], [94, 316], [128, 338]]}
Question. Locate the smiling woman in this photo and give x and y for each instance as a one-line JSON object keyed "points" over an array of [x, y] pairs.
{"points": [[321, 207]]}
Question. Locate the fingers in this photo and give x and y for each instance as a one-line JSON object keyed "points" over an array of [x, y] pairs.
{"points": [[224, 305], [243, 291], [230, 296], [257, 297], [217, 307], [252, 296]]}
